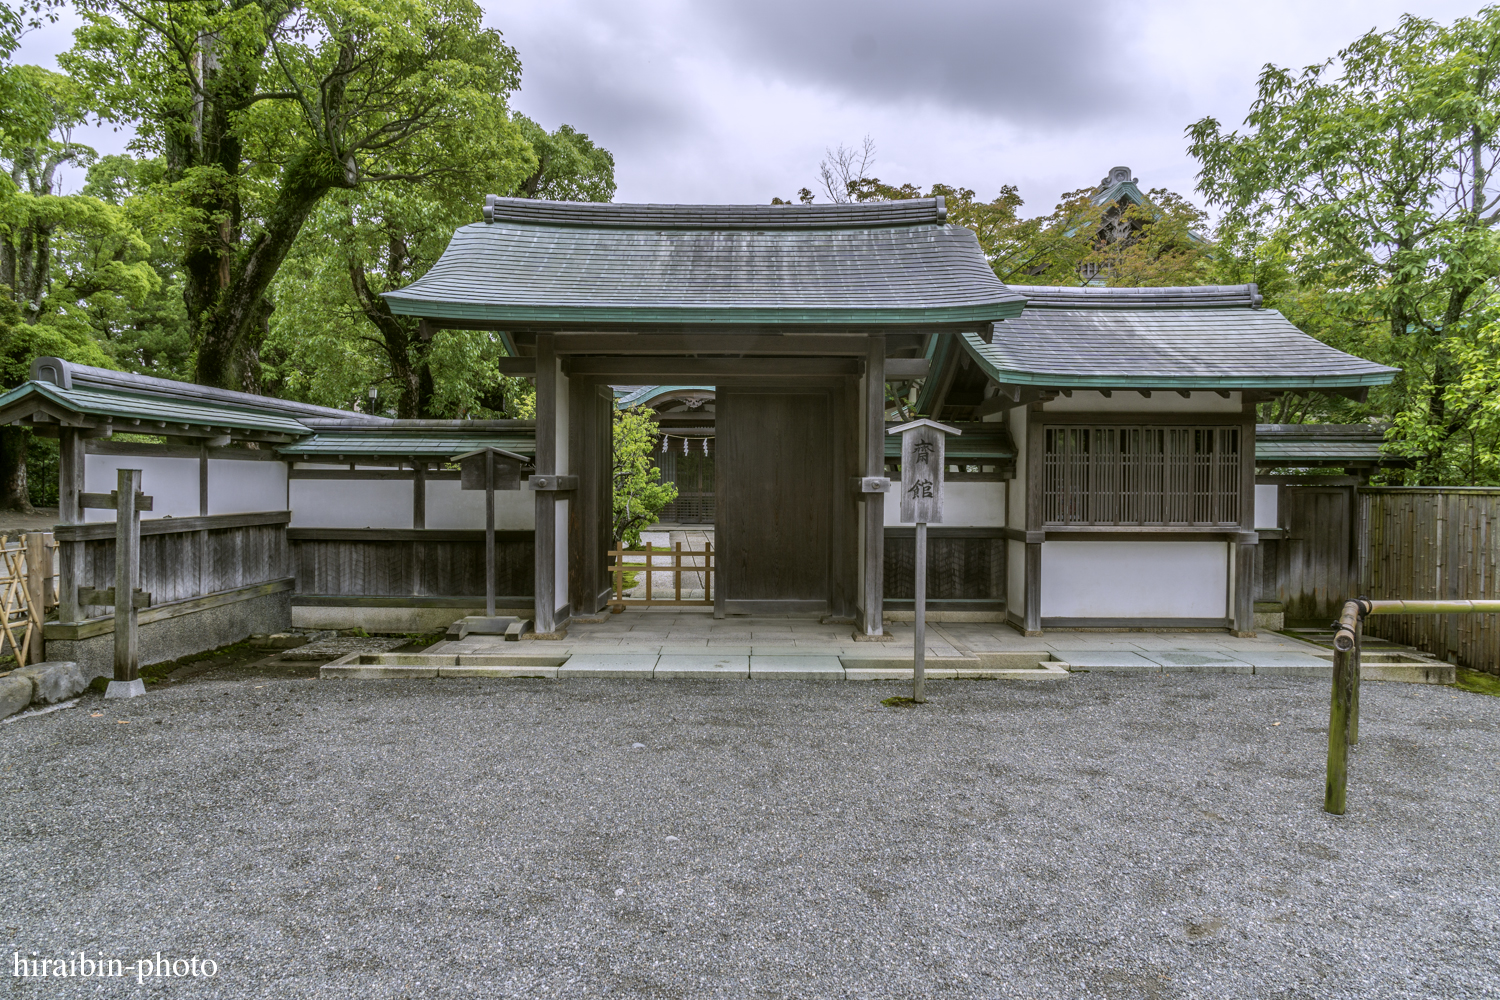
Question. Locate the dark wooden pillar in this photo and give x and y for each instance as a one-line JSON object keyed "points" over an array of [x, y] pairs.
{"points": [[872, 623], [1036, 463], [546, 500], [590, 448], [418, 494], [1243, 616], [69, 554]]}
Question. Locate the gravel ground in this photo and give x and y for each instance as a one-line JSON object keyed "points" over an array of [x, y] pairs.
{"points": [[1109, 836]]}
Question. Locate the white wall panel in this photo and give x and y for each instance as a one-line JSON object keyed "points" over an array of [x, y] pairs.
{"points": [[352, 503], [172, 484], [1135, 580], [239, 486], [452, 508], [965, 505], [1265, 506]]}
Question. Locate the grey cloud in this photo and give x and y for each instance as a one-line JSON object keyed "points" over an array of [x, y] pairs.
{"points": [[1025, 62]]}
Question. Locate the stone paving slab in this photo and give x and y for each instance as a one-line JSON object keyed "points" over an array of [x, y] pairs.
{"points": [[801, 667], [706, 666], [619, 665], [1199, 662], [1109, 660]]}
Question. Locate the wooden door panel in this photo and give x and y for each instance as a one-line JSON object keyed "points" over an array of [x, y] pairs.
{"points": [[774, 466]]}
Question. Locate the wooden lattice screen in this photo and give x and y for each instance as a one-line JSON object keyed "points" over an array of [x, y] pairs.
{"points": [[1142, 475], [28, 590]]}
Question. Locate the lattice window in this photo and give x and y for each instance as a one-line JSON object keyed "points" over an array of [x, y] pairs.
{"points": [[1142, 475]]}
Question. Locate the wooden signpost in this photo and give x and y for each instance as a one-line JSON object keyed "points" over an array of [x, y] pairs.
{"points": [[489, 469], [127, 501], [922, 452]]}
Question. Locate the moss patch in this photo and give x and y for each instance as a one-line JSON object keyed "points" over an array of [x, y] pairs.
{"points": [[899, 701], [1477, 681]]}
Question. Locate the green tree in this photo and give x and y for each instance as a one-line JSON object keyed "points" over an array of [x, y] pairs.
{"points": [[639, 493], [260, 108], [1376, 169], [334, 335], [63, 258]]}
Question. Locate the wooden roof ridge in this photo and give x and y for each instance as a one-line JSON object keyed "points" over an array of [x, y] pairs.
{"points": [[389, 426], [67, 375], [610, 215], [1322, 432], [1167, 297]]}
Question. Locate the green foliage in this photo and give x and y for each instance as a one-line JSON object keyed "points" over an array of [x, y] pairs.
{"points": [[1373, 174], [259, 109], [569, 167], [639, 493], [332, 335]]}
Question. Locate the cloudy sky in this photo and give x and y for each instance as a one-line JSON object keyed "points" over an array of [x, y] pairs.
{"points": [[727, 101]]}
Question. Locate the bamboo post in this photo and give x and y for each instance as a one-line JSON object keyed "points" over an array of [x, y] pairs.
{"points": [[677, 567], [1359, 632], [650, 562], [708, 559], [36, 592]]}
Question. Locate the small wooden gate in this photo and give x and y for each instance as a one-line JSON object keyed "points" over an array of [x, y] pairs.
{"points": [[652, 560]]}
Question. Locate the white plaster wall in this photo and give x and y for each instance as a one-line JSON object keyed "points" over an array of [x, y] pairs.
{"points": [[965, 505], [1130, 401], [239, 486], [1135, 580], [1265, 506], [171, 483], [351, 503], [452, 508]]}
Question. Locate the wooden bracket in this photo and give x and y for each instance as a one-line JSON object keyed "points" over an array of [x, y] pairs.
{"points": [[553, 484], [902, 369], [870, 484], [517, 367], [91, 595], [111, 501]]}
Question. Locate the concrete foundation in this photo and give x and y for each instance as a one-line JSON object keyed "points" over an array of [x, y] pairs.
{"points": [[390, 619], [184, 635]]}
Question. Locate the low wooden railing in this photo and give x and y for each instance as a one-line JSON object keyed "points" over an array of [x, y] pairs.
{"points": [[675, 556], [1343, 712]]}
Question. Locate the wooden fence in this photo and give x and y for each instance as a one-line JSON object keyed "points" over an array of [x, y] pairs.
{"points": [[1426, 543], [421, 566], [28, 590]]}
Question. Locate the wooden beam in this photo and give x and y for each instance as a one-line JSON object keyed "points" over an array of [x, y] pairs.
{"points": [[102, 530], [706, 369], [419, 495], [791, 345]]}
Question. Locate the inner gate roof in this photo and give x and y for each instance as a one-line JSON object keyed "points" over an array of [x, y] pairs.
{"points": [[536, 265]]}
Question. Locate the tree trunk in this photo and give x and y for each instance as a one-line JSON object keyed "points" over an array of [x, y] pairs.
{"points": [[14, 492]]}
